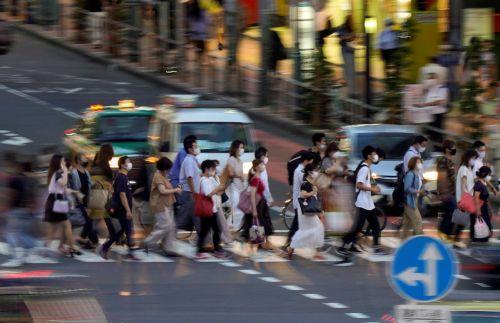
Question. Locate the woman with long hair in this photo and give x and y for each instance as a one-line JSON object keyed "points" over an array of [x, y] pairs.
{"points": [[58, 218], [233, 177]]}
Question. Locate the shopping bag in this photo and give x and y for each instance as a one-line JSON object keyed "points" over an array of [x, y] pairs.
{"points": [[481, 229], [460, 217], [203, 205], [257, 233], [467, 203]]}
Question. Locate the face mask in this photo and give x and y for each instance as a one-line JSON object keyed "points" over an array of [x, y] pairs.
{"points": [[322, 147], [421, 149], [128, 166], [453, 151], [314, 175], [472, 162], [265, 160], [481, 154], [196, 151], [241, 151], [488, 178], [430, 82], [419, 166], [375, 159]]}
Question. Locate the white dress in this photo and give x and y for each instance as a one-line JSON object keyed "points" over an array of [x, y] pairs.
{"points": [[311, 233], [234, 190]]}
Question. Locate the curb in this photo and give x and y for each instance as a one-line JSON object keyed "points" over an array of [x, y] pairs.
{"points": [[255, 113]]}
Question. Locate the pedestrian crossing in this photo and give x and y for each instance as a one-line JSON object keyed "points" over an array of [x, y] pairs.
{"points": [[187, 249]]}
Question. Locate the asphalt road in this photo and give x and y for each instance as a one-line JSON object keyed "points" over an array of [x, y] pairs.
{"points": [[42, 88]]}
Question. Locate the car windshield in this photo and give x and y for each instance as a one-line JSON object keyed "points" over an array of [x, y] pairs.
{"points": [[395, 144], [217, 136], [123, 128]]}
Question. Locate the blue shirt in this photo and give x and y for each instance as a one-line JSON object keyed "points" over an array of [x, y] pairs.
{"points": [[412, 184], [387, 40], [176, 167]]}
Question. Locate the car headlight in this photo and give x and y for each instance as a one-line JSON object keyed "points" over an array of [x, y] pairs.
{"points": [[375, 176], [431, 175], [246, 167], [114, 162]]}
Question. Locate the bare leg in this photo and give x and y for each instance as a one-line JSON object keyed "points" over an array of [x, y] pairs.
{"points": [[68, 234]]}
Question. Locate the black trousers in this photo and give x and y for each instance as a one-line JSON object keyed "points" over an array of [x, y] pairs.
{"points": [[364, 215], [446, 226], [294, 228], [208, 223], [88, 230], [125, 227]]}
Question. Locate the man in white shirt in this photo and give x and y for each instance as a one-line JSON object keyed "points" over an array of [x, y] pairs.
{"points": [[365, 206], [416, 150], [189, 178], [298, 178]]}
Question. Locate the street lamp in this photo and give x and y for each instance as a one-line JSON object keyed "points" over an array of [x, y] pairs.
{"points": [[370, 28]]}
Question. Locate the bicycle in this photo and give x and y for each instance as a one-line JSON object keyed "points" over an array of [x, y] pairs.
{"points": [[287, 212]]}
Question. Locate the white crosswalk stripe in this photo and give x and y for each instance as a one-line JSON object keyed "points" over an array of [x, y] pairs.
{"points": [[141, 255], [246, 251]]}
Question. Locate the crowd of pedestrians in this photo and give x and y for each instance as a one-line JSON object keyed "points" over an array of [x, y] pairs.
{"points": [[222, 203]]}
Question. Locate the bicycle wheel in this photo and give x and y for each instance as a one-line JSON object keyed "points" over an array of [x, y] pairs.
{"points": [[288, 214]]}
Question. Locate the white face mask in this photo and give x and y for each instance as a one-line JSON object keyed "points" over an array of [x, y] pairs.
{"points": [[196, 151], [422, 149], [322, 147], [488, 178], [375, 159], [129, 166], [481, 154], [430, 82], [241, 151], [420, 166], [265, 160]]}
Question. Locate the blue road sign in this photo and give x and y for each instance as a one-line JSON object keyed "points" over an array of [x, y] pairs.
{"points": [[423, 269]]}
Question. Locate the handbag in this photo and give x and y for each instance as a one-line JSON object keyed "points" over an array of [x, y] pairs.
{"points": [[203, 205], [257, 232], [310, 206], [61, 205], [98, 196], [467, 203], [245, 202], [481, 229], [460, 217]]}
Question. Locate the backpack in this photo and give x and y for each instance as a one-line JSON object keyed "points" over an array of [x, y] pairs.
{"points": [[353, 178], [292, 164], [398, 195]]}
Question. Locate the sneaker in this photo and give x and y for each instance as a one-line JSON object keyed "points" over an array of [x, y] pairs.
{"points": [[201, 256], [343, 263], [220, 254], [132, 257], [343, 252], [378, 251], [356, 248], [103, 253]]}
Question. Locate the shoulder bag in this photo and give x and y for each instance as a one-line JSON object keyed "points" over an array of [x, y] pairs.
{"points": [[203, 205]]}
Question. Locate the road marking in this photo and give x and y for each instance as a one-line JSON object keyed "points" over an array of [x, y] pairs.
{"points": [[462, 277], [245, 250], [336, 305], [309, 255], [87, 256], [292, 287], [249, 271], [36, 259], [483, 285], [314, 296], [357, 315], [270, 279], [185, 249], [39, 102], [230, 264], [15, 139]]}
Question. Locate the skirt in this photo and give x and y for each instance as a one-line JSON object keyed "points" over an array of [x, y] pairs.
{"points": [[264, 220], [51, 216]]}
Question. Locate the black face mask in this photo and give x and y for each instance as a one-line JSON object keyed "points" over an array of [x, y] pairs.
{"points": [[85, 164], [453, 151]]}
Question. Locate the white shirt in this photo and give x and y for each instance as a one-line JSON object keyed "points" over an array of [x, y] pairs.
{"points": [[189, 168], [364, 200], [464, 171], [477, 165], [298, 179], [208, 185], [267, 192], [54, 187], [410, 153], [438, 93]]}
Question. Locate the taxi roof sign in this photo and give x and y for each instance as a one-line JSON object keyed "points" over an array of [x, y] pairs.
{"points": [[181, 100], [96, 107], [126, 104]]}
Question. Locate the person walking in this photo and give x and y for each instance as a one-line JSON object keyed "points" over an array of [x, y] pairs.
{"points": [[189, 178], [481, 196], [347, 39], [260, 208], [330, 163], [319, 147], [235, 181], [176, 167], [263, 154], [446, 188], [481, 149], [412, 220], [161, 202], [311, 231], [81, 182], [417, 148], [365, 206], [121, 208], [58, 217], [388, 43], [298, 178], [101, 177], [209, 187], [464, 185]]}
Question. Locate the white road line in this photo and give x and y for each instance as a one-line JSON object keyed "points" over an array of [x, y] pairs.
{"points": [[483, 285], [141, 255], [462, 277], [314, 296], [88, 256], [309, 255], [336, 305], [292, 287], [230, 264], [249, 271], [36, 259], [357, 315], [270, 279], [245, 250]]}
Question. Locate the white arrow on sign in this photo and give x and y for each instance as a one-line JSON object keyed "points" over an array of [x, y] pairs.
{"points": [[430, 256]]}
